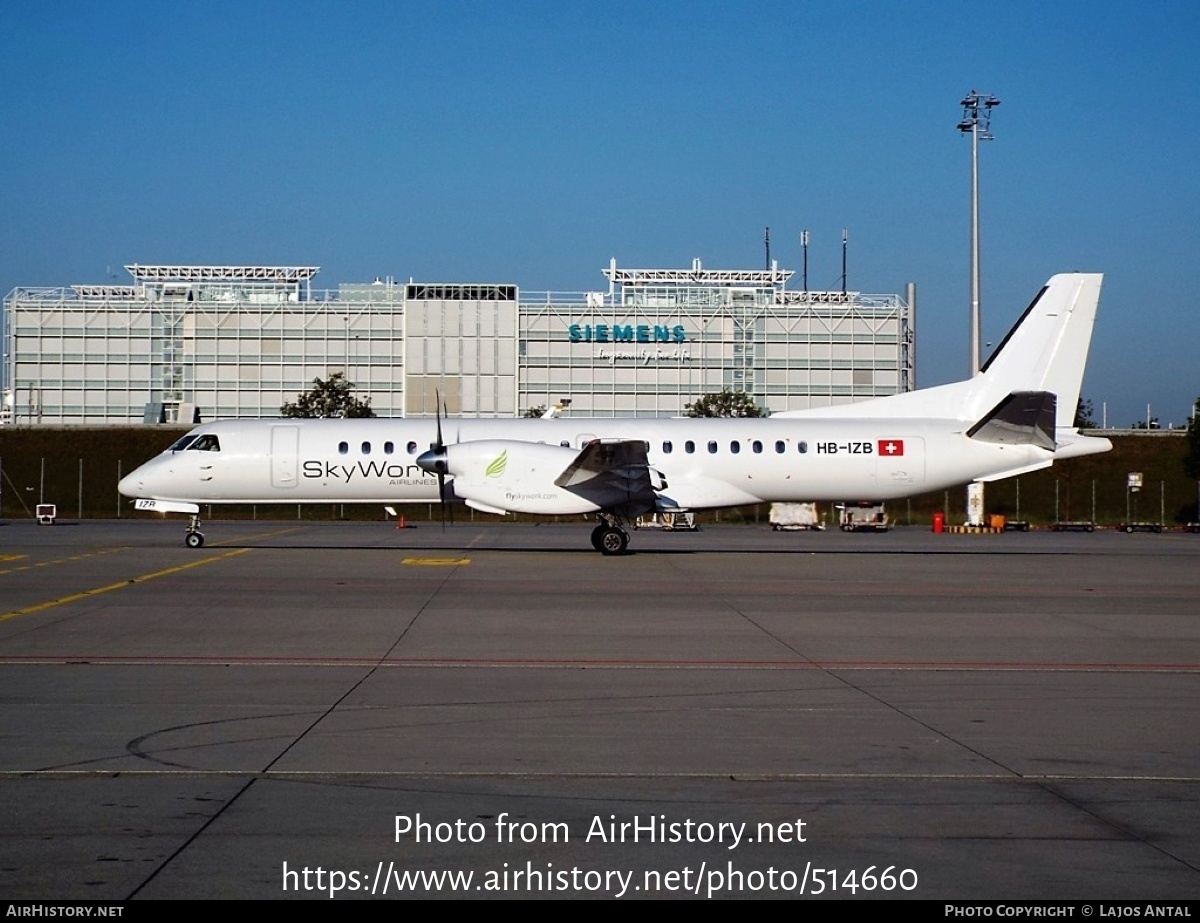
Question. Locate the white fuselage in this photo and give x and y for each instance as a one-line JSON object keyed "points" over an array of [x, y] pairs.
{"points": [[706, 463]]}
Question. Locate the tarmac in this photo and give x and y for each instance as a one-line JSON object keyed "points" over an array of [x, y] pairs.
{"points": [[350, 710]]}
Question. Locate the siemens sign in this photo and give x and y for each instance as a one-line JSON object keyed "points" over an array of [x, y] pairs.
{"points": [[626, 333]]}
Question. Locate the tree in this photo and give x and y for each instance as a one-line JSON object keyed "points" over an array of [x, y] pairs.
{"points": [[725, 403], [1085, 415], [1142, 424], [331, 397]]}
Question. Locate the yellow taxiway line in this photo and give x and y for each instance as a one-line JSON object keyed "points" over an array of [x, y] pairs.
{"points": [[96, 591]]}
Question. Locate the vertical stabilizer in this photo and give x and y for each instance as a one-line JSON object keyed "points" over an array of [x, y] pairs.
{"points": [[1047, 349]]}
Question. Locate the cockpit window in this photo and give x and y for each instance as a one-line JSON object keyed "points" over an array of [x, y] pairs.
{"points": [[181, 443], [206, 443]]}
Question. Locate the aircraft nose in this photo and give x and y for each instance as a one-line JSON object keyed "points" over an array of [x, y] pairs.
{"points": [[142, 481], [132, 484]]}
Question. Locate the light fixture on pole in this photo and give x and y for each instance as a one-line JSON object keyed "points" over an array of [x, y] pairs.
{"points": [[976, 121], [804, 247]]}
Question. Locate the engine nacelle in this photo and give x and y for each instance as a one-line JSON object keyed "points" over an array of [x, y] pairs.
{"points": [[514, 476]]}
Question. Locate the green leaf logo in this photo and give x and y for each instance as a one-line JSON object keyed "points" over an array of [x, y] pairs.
{"points": [[496, 468]]}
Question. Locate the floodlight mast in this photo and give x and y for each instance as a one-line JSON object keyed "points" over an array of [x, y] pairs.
{"points": [[976, 120]]}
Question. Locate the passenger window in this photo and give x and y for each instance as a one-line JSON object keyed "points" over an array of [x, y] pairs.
{"points": [[779, 446], [689, 447], [343, 448], [667, 446], [366, 448], [735, 447], [389, 448], [757, 446], [802, 446], [712, 447], [412, 448]]}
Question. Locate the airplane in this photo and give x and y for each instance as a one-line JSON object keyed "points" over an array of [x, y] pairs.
{"points": [[1015, 416]]}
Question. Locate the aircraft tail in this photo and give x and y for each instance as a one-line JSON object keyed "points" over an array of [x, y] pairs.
{"points": [[1044, 352], [1047, 349]]}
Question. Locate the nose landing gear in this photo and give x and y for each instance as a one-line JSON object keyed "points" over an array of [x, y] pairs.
{"points": [[194, 538]]}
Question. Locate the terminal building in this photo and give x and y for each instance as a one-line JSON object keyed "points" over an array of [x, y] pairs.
{"points": [[185, 343]]}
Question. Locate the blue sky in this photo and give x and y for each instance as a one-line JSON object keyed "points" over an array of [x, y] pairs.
{"points": [[529, 142]]}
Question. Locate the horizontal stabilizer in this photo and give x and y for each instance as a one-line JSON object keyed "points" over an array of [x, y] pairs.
{"points": [[1022, 418]]}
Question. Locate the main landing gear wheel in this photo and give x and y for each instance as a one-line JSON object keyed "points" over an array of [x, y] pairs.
{"points": [[610, 540]]}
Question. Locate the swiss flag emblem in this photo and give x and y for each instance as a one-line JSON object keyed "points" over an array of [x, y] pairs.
{"points": [[891, 447]]}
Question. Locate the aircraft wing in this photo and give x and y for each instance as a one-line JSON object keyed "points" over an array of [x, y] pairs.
{"points": [[613, 474]]}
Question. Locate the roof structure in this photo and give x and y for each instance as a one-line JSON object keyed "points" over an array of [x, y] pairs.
{"points": [[160, 273], [699, 276]]}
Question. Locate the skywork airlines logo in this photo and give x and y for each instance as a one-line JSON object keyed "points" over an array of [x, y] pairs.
{"points": [[497, 466], [359, 471]]}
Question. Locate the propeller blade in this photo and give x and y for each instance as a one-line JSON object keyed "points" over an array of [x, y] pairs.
{"points": [[441, 448], [435, 461], [441, 487], [437, 412]]}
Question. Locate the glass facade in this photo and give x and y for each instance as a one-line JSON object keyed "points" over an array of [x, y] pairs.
{"points": [[184, 343]]}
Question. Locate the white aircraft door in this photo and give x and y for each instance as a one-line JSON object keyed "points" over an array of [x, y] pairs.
{"points": [[285, 451]]}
